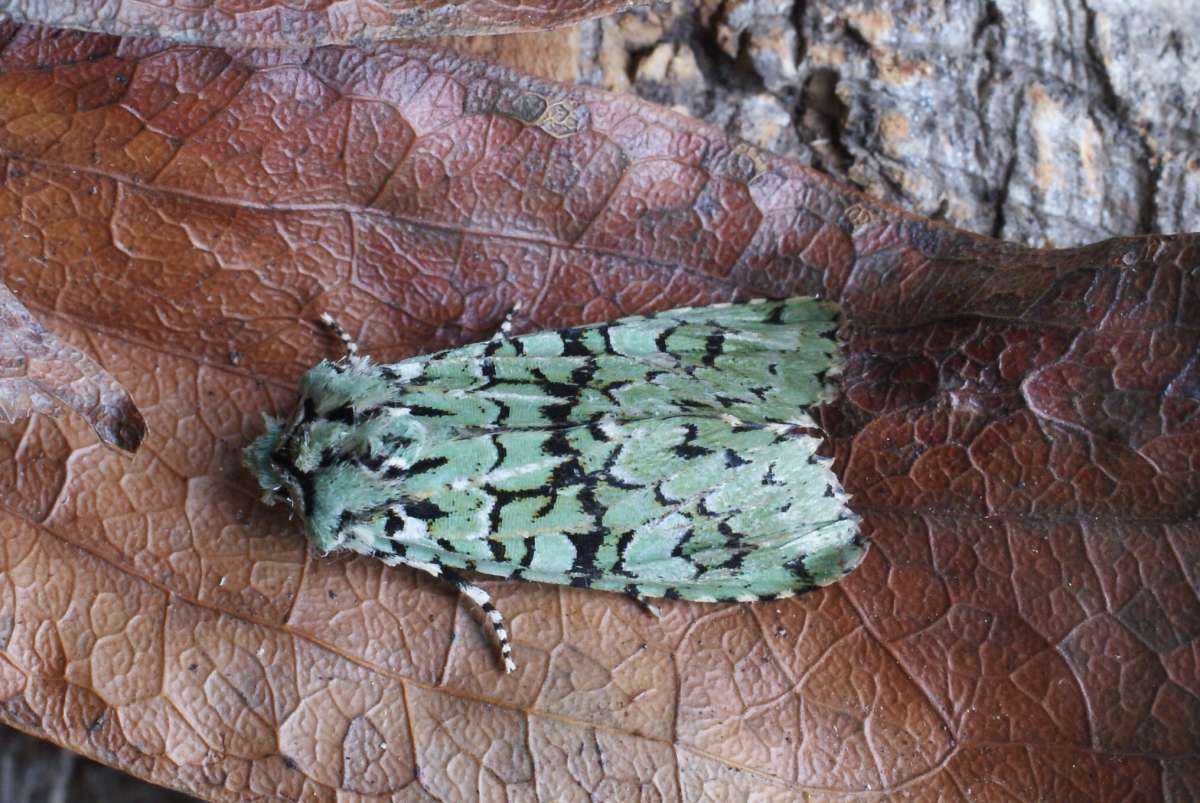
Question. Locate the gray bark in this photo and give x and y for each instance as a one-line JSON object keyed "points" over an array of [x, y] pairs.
{"points": [[1047, 122]]}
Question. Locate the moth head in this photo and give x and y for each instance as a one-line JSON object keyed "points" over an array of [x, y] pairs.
{"points": [[257, 460], [267, 458]]}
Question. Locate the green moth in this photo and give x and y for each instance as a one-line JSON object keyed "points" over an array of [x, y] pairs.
{"points": [[667, 455]]}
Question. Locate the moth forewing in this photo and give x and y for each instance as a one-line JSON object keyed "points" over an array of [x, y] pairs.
{"points": [[670, 455]]}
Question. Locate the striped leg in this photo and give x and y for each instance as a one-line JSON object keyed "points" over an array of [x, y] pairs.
{"points": [[644, 603], [340, 333], [484, 601], [472, 591]]}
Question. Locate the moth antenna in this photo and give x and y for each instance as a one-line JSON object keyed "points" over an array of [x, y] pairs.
{"points": [[505, 328], [347, 341]]}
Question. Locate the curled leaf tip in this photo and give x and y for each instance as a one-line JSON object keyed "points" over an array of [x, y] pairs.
{"points": [[49, 376]]}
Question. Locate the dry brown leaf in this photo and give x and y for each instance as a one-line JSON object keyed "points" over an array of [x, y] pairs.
{"points": [[40, 374], [1020, 429], [280, 23]]}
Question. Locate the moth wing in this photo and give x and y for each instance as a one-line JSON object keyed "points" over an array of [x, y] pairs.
{"points": [[761, 361], [668, 454], [749, 512], [687, 506], [762, 516]]}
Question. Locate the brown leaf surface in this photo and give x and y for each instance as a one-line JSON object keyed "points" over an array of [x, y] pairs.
{"points": [[41, 374], [290, 24], [1020, 428]]}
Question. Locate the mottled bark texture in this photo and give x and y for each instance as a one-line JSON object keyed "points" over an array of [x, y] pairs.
{"points": [[1045, 122]]}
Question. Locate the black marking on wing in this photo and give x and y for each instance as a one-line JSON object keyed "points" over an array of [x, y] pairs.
{"points": [[505, 412], [677, 551], [597, 433], [494, 514], [530, 544], [499, 550], [568, 473], [732, 460], [660, 341], [563, 391], [582, 375], [423, 509], [617, 482], [397, 441], [391, 528], [622, 547], [734, 543], [572, 343], [501, 453], [310, 411], [342, 415], [653, 375], [558, 412], [422, 411], [606, 470], [587, 545], [610, 389], [798, 570], [606, 335], [557, 444], [425, 464], [688, 449], [503, 497], [714, 346]]}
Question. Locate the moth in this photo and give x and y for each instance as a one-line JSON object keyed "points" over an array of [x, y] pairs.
{"points": [[669, 455]]}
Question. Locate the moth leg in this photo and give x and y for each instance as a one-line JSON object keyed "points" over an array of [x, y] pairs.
{"points": [[645, 604], [340, 333], [484, 601], [502, 332]]}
